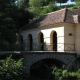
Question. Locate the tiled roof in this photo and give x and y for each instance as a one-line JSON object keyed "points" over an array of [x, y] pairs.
{"points": [[77, 11], [63, 15], [70, 17]]}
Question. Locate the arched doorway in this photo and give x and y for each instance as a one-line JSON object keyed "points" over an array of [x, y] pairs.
{"points": [[21, 42], [21, 39], [41, 41], [53, 40], [30, 40]]}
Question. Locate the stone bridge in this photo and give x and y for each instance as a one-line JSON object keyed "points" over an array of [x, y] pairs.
{"points": [[31, 57]]}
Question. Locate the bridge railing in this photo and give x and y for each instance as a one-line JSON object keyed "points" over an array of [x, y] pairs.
{"points": [[50, 47]]}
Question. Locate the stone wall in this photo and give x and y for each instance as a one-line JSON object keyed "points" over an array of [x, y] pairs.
{"points": [[34, 56]]}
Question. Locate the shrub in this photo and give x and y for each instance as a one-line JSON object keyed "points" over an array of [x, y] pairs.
{"points": [[57, 72], [64, 74], [78, 74], [11, 69]]}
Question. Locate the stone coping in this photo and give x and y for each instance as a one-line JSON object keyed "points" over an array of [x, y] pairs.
{"points": [[28, 52], [47, 52]]}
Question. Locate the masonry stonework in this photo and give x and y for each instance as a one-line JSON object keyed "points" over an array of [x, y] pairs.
{"points": [[33, 57]]}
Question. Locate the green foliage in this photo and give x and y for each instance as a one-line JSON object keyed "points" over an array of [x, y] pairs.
{"points": [[35, 3], [11, 69], [50, 7], [20, 3], [64, 74], [40, 7], [78, 74], [77, 3], [8, 26], [12, 19], [35, 7], [57, 72]]}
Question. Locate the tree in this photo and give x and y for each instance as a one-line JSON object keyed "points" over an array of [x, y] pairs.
{"points": [[24, 17], [22, 3], [61, 1], [35, 7], [10, 23], [46, 2], [77, 2], [50, 7], [7, 24], [40, 7], [11, 69]]}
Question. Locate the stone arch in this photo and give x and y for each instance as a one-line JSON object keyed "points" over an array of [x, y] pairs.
{"points": [[30, 59], [41, 40], [52, 60], [30, 41], [53, 40], [45, 64], [37, 58]]}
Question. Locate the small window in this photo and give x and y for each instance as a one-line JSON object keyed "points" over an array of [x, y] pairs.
{"points": [[70, 34]]}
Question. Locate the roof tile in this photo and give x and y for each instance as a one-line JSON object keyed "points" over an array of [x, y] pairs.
{"points": [[63, 15]]}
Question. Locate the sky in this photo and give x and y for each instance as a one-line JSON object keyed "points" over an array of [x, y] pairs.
{"points": [[68, 2]]}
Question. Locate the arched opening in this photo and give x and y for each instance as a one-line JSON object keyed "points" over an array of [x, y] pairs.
{"points": [[21, 42], [53, 40], [41, 40], [30, 40], [43, 68], [21, 38]]}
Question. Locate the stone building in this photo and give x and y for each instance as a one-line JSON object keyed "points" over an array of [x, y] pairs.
{"points": [[56, 31]]}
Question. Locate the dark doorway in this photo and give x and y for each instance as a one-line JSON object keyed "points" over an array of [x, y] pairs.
{"points": [[30, 42], [41, 42], [54, 41], [21, 42]]}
